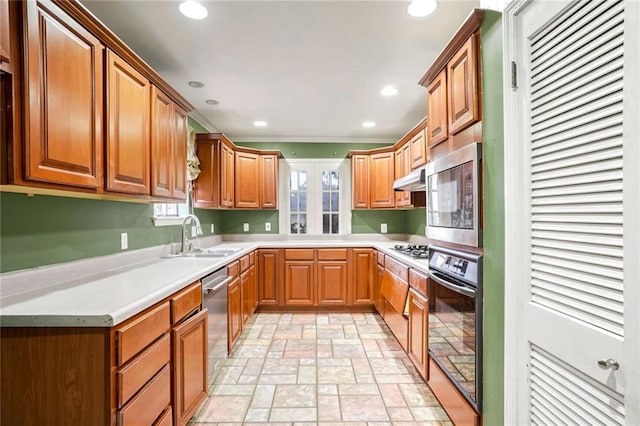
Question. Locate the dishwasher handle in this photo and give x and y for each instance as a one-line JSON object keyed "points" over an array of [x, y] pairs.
{"points": [[214, 286]]}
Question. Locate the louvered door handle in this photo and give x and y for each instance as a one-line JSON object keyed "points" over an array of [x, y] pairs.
{"points": [[607, 363]]}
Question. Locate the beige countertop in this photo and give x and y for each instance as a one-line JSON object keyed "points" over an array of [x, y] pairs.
{"points": [[107, 298]]}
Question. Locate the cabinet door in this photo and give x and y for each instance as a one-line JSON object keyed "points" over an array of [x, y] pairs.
{"points": [[381, 183], [399, 172], [418, 150], [332, 282], [128, 135], [269, 181], [179, 160], [437, 127], [269, 277], [5, 35], [464, 107], [63, 100], [362, 261], [247, 303], [189, 366], [234, 312], [227, 177], [360, 181], [247, 180], [161, 143], [253, 288], [418, 332], [299, 283], [406, 157], [206, 192]]}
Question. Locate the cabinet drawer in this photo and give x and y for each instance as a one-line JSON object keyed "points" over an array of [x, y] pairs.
{"points": [[165, 419], [136, 335], [147, 405], [418, 281], [397, 268], [332, 254], [132, 377], [252, 258], [185, 302], [298, 254], [233, 269], [380, 258], [244, 263]]}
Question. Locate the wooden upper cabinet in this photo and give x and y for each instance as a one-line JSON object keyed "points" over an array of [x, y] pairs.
{"points": [[382, 177], [161, 143], [360, 181], [247, 180], [128, 135], [464, 108], [418, 147], [5, 35], [179, 160], [269, 181], [206, 192], [227, 176], [64, 99], [402, 168], [437, 124]]}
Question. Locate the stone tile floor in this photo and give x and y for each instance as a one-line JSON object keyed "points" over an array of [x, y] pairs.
{"points": [[327, 369]]}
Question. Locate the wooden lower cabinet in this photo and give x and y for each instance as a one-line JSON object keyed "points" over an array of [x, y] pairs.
{"points": [[269, 277], [138, 372], [362, 266], [245, 291], [299, 283], [332, 282], [379, 299], [234, 312], [189, 366], [419, 332]]}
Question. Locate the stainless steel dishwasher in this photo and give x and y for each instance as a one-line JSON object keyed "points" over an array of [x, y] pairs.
{"points": [[214, 298]]}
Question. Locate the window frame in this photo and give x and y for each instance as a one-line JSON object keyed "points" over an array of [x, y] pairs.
{"points": [[314, 168]]}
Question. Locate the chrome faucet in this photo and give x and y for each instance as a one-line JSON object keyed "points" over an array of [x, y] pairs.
{"points": [[187, 244]]}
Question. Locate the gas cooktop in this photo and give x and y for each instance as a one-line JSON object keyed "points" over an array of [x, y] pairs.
{"points": [[413, 250]]}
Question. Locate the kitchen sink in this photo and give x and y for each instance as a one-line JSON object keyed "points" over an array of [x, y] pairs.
{"points": [[208, 252]]}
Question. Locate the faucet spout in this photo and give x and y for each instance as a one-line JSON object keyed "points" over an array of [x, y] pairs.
{"points": [[187, 244]]}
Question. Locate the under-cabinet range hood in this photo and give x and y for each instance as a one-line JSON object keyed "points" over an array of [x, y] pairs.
{"points": [[414, 181]]}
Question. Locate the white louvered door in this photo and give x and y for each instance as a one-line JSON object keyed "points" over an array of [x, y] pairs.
{"points": [[572, 215]]}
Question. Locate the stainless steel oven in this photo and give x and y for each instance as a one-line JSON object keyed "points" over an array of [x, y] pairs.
{"points": [[453, 197], [455, 318]]}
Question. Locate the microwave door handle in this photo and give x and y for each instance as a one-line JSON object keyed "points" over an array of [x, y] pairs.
{"points": [[467, 291]]}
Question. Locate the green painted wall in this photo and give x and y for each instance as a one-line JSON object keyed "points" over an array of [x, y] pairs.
{"points": [[312, 150], [232, 221], [493, 240], [42, 230], [196, 126], [368, 221], [416, 221]]}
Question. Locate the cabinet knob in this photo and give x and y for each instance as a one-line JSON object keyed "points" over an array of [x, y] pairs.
{"points": [[607, 363]]}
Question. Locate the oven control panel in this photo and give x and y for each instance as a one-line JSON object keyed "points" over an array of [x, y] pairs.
{"points": [[447, 263]]}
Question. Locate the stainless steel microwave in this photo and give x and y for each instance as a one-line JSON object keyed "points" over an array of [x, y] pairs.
{"points": [[453, 197]]}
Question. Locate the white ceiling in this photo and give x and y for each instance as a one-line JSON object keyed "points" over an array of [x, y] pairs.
{"points": [[312, 69]]}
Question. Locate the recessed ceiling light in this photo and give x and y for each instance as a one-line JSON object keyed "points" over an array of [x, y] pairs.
{"points": [[420, 8], [211, 102], [389, 91], [368, 124], [260, 123], [193, 9], [196, 84]]}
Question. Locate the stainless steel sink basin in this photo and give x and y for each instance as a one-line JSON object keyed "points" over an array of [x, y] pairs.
{"points": [[208, 252]]}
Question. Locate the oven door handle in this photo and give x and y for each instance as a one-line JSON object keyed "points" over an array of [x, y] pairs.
{"points": [[467, 291]]}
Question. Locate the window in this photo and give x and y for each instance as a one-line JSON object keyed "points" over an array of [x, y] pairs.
{"points": [[166, 214], [318, 194]]}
